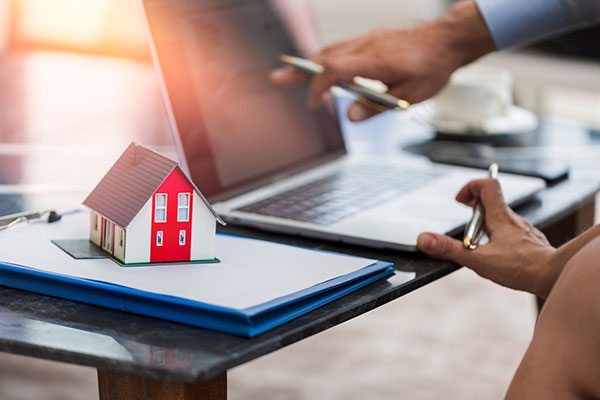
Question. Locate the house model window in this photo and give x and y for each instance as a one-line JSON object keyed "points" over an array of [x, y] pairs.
{"points": [[159, 238], [183, 207], [182, 238], [160, 210]]}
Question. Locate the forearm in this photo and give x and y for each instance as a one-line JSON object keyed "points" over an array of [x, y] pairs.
{"points": [[561, 257], [465, 33]]}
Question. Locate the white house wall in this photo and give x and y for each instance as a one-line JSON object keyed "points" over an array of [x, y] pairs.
{"points": [[137, 240], [95, 230], [203, 231]]}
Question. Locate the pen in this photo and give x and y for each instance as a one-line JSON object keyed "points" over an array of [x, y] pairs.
{"points": [[8, 221], [476, 226], [366, 95]]}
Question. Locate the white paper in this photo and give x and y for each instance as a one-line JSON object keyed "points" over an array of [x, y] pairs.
{"points": [[250, 273]]}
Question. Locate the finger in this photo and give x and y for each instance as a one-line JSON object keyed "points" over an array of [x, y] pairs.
{"points": [[334, 70], [288, 76], [466, 194], [340, 69], [446, 248], [342, 47], [358, 112], [490, 194], [488, 190]]}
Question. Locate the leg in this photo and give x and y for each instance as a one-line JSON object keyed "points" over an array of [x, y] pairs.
{"points": [[113, 386], [563, 358], [567, 228]]}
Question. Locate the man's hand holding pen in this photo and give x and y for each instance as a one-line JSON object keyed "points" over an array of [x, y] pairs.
{"points": [[414, 63], [517, 254]]}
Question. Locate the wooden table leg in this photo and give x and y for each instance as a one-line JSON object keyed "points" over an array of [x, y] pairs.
{"points": [[569, 227], [113, 386], [572, 225]]}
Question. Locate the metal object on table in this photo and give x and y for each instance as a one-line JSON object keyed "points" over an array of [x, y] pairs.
{"points": [[28, 216], [476, 227]]}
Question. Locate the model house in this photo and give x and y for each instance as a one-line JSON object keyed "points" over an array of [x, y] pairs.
{"points": [[147, 210]]}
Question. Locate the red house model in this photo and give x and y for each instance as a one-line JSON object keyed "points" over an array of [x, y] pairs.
{"points": [[147, 210]]}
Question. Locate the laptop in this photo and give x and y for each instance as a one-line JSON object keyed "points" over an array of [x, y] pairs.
{"points": [[263, 158]]}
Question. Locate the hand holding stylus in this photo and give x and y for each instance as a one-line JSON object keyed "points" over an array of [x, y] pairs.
{"points": [[414, 63], [517, 255], [377, 100]]}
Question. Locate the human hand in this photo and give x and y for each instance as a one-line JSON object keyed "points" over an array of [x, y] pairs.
{"points": [[517, 255], [414, 63]]}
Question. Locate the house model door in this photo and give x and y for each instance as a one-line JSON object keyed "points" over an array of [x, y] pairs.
{"points": [[108, 230]]}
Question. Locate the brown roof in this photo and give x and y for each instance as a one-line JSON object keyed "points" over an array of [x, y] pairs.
{"points": [[129, 184]]}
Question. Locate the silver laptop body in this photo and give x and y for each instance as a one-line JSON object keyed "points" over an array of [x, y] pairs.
{"points": [[267, 161]]}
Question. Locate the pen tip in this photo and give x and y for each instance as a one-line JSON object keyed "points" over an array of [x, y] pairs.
{"points": [[494, 170], [467, 242], [403, 104]]}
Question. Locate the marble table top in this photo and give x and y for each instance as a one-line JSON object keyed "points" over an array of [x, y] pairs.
{"points": [[51, 149]]}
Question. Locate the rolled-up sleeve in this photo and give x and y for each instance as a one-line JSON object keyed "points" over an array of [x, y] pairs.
{"points": [[514, 22]]}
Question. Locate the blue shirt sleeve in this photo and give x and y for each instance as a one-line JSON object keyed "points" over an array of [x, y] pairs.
{"points": [[513, 22]]}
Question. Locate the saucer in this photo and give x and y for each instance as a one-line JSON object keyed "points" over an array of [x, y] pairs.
{"points": [[514, 121]]}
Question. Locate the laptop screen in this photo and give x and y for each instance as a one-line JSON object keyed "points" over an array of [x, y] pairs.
{"points": [[234, 127]]}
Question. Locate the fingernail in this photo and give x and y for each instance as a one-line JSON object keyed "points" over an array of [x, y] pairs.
{"points": [[277, 74], [357, 113], [426, 242]]}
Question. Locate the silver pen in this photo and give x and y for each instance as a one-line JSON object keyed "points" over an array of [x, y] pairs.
{"points": [[476, 226], [8, 221], [366, 95]]}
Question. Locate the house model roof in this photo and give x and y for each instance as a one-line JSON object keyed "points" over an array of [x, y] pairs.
{"points": [[132, 180]]}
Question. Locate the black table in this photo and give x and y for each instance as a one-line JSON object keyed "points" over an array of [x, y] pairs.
{"points": [[142, 357]]}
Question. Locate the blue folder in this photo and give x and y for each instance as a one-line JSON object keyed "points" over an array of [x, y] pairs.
{"points": [[248, 322]]}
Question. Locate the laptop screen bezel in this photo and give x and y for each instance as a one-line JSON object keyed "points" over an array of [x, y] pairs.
{"points": [[254, 183]]}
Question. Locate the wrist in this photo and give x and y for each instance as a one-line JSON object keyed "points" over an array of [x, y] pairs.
{"points": [[465, 33], [559, 258], [549, 266]]}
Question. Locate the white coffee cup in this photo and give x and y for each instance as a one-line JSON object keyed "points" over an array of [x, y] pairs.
{"points": [[474, 95]]}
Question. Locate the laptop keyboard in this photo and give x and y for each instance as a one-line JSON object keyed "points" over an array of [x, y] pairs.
{"points": [[341, 195]]}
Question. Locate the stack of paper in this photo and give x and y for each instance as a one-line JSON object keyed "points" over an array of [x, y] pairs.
{"points": [[256, 286]]}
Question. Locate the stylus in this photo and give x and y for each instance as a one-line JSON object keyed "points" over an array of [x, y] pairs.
{"points": [[476, 226], [368, 96]]}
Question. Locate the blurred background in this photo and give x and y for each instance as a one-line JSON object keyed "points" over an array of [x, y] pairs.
{"points": [[77, 84], [107, 27], [113, 28]]}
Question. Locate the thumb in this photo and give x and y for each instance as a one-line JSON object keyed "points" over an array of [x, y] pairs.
{"points": [[445, 248], [358, 112], [288, 76]]}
